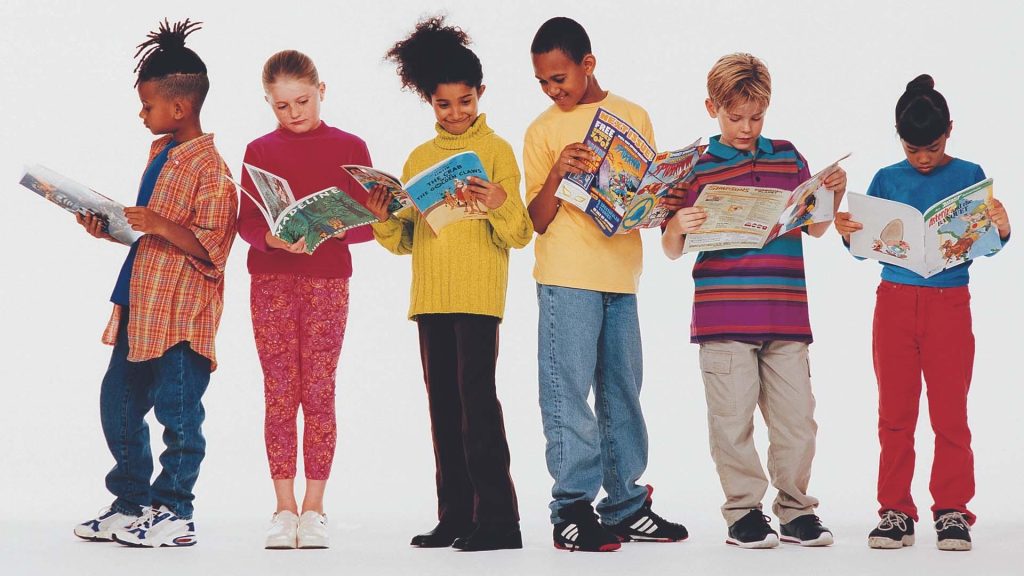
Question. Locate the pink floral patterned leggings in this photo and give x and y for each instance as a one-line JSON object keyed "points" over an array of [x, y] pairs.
{"points": [[299, 325]]}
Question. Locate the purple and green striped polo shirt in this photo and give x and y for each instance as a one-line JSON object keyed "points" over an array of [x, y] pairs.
{"points": [[751, 295]]}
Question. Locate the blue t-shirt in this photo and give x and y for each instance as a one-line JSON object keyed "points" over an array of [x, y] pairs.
{"points": [[903, 183], [120, 295]]}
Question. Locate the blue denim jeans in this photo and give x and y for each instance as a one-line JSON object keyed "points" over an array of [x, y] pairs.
{"points": [[172, 386], [591, 341]]}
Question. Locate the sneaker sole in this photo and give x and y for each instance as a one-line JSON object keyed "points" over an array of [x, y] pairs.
{"points": [[179, 542], [610, 547], [825, 539], [881, 543], [95, 538], [649, 539], [771, 541], [954, 545]]}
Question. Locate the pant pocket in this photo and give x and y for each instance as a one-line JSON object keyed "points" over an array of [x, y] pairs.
{"points": [[716, 368]]}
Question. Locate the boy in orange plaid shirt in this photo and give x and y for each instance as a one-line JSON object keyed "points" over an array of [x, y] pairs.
{"points": [[167, 304]]}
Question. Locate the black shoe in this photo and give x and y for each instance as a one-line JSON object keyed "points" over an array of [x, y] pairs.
{"points": [[953, 529], [442, 536], [894, 530], [580, 530], [752, 531], [646, 526], [806, 530], [491, 536]]}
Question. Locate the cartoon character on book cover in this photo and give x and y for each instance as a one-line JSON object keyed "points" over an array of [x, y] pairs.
{"points": [[890, 241], [963, 235], [619, 177]]}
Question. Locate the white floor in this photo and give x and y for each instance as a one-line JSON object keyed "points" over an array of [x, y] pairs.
{"points": [[232, 546]]}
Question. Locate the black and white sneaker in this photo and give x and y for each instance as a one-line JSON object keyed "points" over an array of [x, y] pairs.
{"points": [[894, 530], [753, 531], [646, 526], [953, 529], [580, 530], [806, 530]]}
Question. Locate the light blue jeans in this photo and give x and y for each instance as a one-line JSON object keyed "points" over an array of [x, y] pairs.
{"points": [[591, 341]]}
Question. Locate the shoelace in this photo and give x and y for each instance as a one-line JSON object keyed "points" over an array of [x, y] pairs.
{"points": [[143, 521], [952, 520], [893, 519]]}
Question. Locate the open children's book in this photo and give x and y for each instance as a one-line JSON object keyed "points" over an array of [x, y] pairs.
{"points": [[439, 192], [624, 189], [74, 197], [316, 217], [950, 232], [749, 217]]}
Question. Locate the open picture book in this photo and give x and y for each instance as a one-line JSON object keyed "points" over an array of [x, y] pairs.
{"points": [[950, 232]]}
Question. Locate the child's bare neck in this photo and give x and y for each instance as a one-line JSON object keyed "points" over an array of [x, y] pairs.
{"points": [[187, 131], [594, 92]]}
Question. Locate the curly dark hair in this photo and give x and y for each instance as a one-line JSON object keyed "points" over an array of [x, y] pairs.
{"points": [[163, 58], [435, 53]]}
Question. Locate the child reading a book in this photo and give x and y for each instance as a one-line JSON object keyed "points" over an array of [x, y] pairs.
{"points": [[167, 304], [750, 319], [459, 279], [299, 302], [589, 330], [923, 326]]}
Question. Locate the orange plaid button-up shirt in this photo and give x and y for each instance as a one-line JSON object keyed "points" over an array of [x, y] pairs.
{"points": [[176, 297]]}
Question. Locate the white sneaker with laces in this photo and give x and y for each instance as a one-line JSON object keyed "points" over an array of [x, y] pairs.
{"points": [[282, 534], [312, 531], [101, 528], [158, 527]]}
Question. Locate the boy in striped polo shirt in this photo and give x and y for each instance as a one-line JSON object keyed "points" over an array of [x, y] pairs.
{"points": [[750, 319]]}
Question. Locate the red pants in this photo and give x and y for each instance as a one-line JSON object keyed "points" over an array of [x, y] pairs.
{"points": [[299, 324], [924, 330]]}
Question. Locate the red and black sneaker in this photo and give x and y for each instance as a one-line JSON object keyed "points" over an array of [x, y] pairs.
{"points": [[580, 530], [646, 526]]}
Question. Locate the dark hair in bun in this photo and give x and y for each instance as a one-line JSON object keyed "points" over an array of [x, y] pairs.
{"points": [[433, 54], [922, 115]]}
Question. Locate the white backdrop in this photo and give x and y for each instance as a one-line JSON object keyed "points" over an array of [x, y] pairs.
{"points": [[67, 102]]}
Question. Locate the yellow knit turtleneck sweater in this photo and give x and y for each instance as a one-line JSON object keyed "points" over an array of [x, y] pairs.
{"points": [[465, 267]]}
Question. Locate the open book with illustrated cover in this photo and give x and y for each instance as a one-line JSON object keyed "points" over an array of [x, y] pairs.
{"points": [[749, 217], [624, 189], [950, 232], [79, 199], [439, 193], [316, 217]]}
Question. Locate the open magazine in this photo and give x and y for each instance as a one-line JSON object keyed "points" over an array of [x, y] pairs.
{"points": [[750, 217], [624, 190], [79, 199], [950, 232], [316, 217], [439, 192]]}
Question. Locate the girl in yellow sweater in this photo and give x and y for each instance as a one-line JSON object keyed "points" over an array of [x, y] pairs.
{"points": [[459, 277]]}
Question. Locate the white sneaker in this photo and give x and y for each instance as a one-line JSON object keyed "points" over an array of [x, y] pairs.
{"points": [[312, 531], [282, 532], [100, 528], [158, 527]]}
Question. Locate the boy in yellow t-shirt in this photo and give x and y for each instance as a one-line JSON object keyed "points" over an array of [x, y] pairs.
{"points": [[589, 332]]}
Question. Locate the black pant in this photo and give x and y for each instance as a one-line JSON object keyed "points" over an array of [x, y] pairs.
{"points": [[459, 354]]}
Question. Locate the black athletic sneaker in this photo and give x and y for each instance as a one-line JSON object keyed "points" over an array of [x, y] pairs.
{"points": [[806, 530], [753, 531], [646, 526], [953, 529], [580, 530], [442, 536], [894, 530], [491, 536]]}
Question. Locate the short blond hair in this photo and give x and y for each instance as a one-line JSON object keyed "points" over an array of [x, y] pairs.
{"points": [[738, 78]]}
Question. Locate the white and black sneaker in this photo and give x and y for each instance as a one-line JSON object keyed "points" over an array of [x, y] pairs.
{"points": [[580, 530], [101, 528], [895, 530], [806, 530], [752, 531], [646, 526], [953, 529], [158, 527]]}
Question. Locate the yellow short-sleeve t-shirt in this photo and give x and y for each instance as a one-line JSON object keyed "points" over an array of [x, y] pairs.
{"points": [[573, 252]]}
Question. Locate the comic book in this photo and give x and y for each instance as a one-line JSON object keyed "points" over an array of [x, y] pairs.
{"points": [[624, 189], [950, 232], [750, 217], [316, 217], [439, 192], [79, 199]]}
